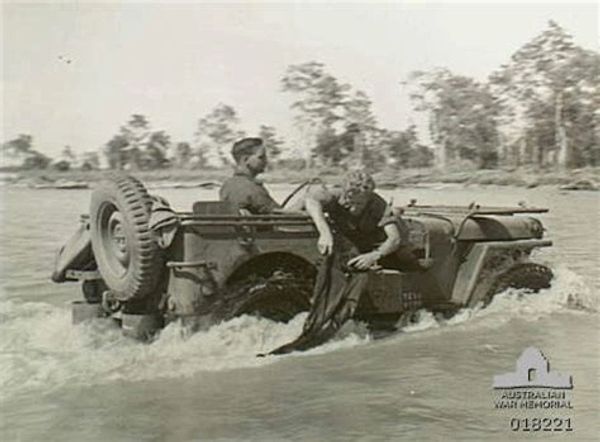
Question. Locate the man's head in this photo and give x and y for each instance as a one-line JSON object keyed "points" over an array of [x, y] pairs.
{"points": [[250, 155], [357, 187]]}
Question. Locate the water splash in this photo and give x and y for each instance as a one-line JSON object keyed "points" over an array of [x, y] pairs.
{"points": [[568, 293], [41, 349]]}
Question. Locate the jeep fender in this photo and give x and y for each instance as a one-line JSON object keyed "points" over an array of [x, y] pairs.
{"points": [[267, 263], [484, 262]]}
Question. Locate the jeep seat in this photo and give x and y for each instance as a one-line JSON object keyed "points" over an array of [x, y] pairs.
{"points": [[214, 208]]}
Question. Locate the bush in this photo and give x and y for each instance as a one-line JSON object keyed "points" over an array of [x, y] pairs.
{"points": [[62, 166], [87, 166], [36, 161]]}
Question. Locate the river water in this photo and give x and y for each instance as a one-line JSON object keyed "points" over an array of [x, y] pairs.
{"points": [[433, 381]]}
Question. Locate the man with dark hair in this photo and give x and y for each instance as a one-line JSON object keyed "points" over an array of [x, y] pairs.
{"points": [[243, 190]]}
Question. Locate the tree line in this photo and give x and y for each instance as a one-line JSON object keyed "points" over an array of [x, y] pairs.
{"points": [[541, 108]]}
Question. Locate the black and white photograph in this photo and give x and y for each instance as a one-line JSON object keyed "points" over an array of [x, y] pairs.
{"points": [[300, 221]]}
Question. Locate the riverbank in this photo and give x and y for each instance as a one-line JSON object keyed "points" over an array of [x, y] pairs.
{"points": [[575, 179]]}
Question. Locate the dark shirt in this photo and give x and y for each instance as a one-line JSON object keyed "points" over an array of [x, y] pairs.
{"points": [[243, 191], [364, 230]]}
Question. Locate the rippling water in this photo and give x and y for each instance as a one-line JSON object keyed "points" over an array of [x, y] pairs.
{"points": [[430, 382]]}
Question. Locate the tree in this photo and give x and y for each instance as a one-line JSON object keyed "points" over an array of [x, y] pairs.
{"points": [[19, 147], [67, 159], [582, 110], [90, 161], [321, 96], [405, 149], [367, 137], [137, 133], [67, 154], [155, 154], [124, 149], [421, 156], [18, 150], [358, 110], [116, 152], [327, 108], [215, 134], [329, 147], [462, 116], [183, 154], [62, 165], [138, 146], [548, 94], [36, 160], [136, 130], [271, 142]]}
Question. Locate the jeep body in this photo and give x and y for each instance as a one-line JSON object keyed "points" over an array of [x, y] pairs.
{"points": [[220, 263]]}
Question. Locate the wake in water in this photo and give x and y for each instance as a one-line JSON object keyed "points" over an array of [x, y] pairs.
{"points": [[567, 293], [41, 349]]}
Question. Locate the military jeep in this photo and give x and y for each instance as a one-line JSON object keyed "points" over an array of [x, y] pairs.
{"points": [[214, 263]]}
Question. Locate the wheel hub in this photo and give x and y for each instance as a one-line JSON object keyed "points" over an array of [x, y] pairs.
{"points": [[118, 240], [114, 242]]}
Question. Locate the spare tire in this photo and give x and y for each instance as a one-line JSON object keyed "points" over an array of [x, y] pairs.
{"points": [[124, 249]]}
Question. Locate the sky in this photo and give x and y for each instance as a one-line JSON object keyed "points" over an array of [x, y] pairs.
{"points": [[73, 73]]}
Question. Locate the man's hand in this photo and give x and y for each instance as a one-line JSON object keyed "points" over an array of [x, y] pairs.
{"points": [[325, 243], [365, 261]]}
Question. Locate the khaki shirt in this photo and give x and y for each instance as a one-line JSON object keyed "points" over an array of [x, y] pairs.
{"points": [[244, 191]]}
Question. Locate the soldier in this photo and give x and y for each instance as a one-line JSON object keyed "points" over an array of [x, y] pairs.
{"points": [[362, 232], [243, 190]]}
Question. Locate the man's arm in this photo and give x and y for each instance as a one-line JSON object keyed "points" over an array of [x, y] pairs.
{"points": [[390, 245], [392, 242], [261, 201], [315, 210], [316, 198]]}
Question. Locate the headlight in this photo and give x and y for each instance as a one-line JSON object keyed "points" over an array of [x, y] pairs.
{"points": [[536, 227]]}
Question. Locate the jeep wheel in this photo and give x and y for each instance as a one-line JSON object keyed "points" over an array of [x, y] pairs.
{"points": [[531, 276], [124, 249], [279, 297]]}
